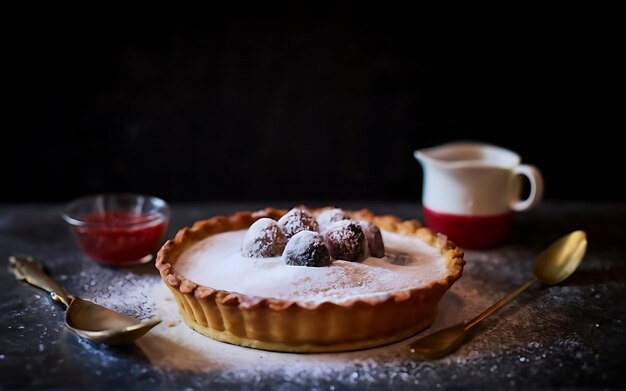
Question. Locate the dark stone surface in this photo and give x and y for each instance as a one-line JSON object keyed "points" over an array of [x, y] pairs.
{"points": [[568, 336]]}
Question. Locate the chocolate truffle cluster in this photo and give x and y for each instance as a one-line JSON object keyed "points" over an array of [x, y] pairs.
{"points": [[304, 240]]}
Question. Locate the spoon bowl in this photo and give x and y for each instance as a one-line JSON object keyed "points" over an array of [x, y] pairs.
{"points": [[87, 319], [100, 324], [553, 265], [561, 259]]}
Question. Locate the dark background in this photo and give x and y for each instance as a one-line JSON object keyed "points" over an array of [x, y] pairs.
{"points": [[302, 102]]}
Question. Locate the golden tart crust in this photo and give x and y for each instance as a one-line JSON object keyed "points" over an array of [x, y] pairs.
{"points": [[295, 326]]}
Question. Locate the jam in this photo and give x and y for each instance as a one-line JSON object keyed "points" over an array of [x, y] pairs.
{"points": [[120, 237]]}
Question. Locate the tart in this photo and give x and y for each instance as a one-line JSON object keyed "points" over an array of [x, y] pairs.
{"points": [[268, 304]]}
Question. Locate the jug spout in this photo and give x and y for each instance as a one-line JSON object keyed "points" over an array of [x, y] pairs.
{"points": [[420, 155], [432, 154]]}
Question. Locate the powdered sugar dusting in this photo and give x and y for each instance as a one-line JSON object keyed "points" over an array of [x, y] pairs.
{"points": [[346, 240], [297, 220], [306, 248], [264, 238], [216, 262], [329, 216], [374, 238]]}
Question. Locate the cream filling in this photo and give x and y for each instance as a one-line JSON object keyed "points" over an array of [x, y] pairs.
{"points": [[216, 262]]}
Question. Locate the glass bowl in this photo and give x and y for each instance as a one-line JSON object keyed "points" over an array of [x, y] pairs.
{"points": [[118, 229]]}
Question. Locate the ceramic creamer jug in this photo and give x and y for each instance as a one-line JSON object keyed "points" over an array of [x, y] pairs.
{"points": [[471, 190]]}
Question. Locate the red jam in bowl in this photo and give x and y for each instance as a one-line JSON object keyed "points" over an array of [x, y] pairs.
{"points": [[120, 237], [118, 229]]}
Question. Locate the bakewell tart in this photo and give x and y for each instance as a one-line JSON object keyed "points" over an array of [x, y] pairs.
{"points": [[308, 280]]}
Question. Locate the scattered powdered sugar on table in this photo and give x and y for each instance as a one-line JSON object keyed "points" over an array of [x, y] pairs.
{"points": [[523, 334]]}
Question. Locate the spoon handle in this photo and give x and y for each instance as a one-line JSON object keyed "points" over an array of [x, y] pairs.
{"points": [[31, 271], [499, 304]]}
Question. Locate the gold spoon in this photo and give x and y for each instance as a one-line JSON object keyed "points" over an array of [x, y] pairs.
{"points": [[552, 266], [85, 318]]}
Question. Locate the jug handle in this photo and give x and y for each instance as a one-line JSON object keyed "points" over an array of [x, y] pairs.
{"points": [[536, 187]]}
